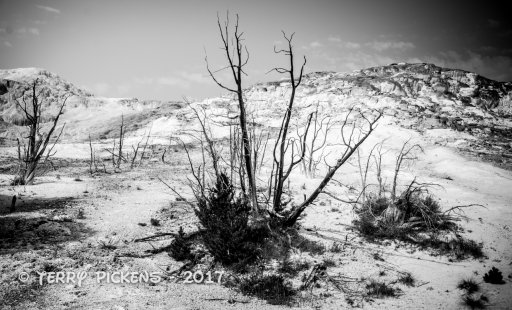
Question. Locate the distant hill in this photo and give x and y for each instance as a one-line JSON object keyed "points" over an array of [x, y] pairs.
{"points": [[419, 96]]}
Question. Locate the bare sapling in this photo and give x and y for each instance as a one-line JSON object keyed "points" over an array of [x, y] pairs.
{"points": [[407, 153], [316, 146]]}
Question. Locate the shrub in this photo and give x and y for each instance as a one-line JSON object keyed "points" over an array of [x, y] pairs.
{"points": [[306, 245], [336, 247], [468, 285], [494, 276], [224, 218], [180, 248], [272, 288], [407, 279], [475, 302], [414, 217], [293, 267]]}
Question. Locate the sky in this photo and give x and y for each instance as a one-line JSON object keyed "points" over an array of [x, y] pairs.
{"points": [[156, 49]]}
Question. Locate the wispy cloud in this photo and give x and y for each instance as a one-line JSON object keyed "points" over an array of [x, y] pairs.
{"points": [[313, 45], [30, 30], [334, 39], [7, 43], [388, 45], [351, 45], [48, 9], [493, 23]]}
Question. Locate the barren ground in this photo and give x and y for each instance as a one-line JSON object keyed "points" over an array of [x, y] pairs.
{"points": [[72, 221]]}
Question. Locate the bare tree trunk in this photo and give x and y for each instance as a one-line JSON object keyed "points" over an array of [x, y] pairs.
{"points": [[13, 204], [121, 133]]}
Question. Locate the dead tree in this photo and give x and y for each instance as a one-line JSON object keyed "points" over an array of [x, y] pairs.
{"points": [[92, 161], [350, 144], [121, 140], [289, 150], [282, 144], [118, 157], [237, 57], [321, 126], [145, 146], [32, 155], [406, 154]]}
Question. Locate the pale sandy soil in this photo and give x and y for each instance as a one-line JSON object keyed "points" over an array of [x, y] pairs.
{"points": [[114, 205]]}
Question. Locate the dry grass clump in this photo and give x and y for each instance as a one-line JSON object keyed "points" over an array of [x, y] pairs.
{"points": [[415, 217], [469, 285], [379, 289]]}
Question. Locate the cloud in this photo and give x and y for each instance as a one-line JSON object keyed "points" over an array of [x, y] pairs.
{"points": [[387, 45], [3, 30], [493, 23], [315, 44], [493, 67], [7, 43], [48, 9], [334, 39], [351, 45], [30, 30], [340, 43]]}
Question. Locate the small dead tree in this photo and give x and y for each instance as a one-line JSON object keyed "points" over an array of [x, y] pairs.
{"points": [[121, 140], [117, 155], [31, 156], [92, 161], [316, 146], [144, 148], [407, 153], [281, 171], [237, 57]]}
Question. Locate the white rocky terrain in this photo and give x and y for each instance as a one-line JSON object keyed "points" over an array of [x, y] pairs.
{"points": [[73, 220]]}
